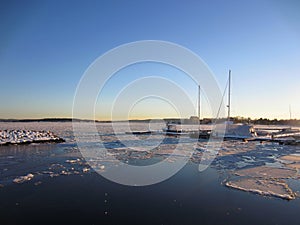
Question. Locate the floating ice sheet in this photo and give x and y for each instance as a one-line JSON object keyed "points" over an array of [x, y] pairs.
{"points": [[267, 172], [267, 187]]}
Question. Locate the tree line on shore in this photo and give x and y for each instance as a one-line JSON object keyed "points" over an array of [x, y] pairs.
{"points": [[261, 121], [191, 120]]}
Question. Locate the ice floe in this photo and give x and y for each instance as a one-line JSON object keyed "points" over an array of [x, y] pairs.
{"points": [[22, 179], [267, 187], [85, 169], [264, 180], [38, 183], [72, 161], [291, 157], [267, 172], [102, 167]]}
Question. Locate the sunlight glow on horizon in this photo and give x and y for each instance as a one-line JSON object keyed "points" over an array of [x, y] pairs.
{"points": [[46, 48]]}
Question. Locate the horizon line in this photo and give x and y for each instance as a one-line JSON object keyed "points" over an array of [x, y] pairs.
{"points": [[140, 119]]}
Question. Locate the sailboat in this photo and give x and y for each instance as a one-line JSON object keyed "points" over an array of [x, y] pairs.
{"points": [[190, 128], [235, 131]]}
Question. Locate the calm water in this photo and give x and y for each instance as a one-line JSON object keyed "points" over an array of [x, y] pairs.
{"points": [[77, 197]]}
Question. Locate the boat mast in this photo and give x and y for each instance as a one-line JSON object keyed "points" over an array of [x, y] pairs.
{"points": [[199, 102], [229, 87]]}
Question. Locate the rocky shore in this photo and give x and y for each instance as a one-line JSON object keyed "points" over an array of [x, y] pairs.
{"points": [[27, 136]]}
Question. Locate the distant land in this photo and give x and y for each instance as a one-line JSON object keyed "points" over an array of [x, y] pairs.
{"points": [[193, 119]]}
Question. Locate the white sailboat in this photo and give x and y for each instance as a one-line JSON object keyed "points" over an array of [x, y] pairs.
{"points": [[235, 131]]}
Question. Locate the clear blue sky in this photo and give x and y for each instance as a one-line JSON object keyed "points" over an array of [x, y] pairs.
{"points": [[45, 47]]}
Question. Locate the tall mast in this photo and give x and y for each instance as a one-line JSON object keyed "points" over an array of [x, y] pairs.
{"points": [[229, 88], [290, 112], [199, 102]]}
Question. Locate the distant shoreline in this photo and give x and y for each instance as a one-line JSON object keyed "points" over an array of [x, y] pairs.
{"points": [[261, 121]]}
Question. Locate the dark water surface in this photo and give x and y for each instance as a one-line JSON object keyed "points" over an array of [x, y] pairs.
{"points": [[72, 196]]}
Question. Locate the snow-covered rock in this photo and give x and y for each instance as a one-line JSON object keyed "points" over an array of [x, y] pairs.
{"points": [[27, 136]]}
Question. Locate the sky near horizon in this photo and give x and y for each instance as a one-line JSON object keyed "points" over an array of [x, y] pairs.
{"points": [[46, 46]]}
